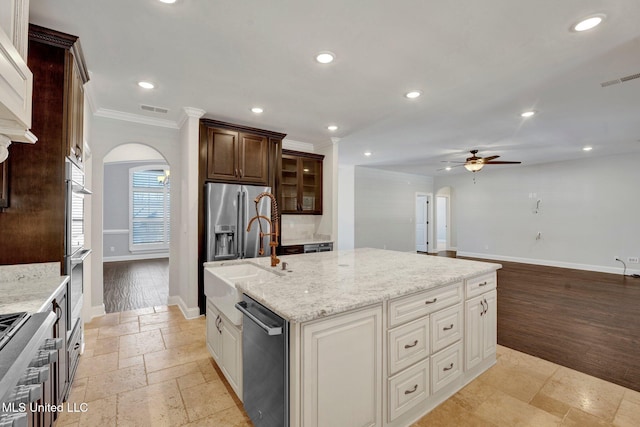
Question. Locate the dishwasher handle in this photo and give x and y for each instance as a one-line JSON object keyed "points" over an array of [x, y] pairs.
{"points": [[270, 330]]}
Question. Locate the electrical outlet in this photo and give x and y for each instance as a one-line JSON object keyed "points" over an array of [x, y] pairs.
{"points": [[112, 249], [633, 260]]}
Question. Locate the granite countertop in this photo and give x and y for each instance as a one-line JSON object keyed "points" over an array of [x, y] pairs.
{"points": [[29, 287], [321, 284]]}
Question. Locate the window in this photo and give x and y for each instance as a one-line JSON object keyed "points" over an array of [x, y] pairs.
{"points": [[149, 197]]}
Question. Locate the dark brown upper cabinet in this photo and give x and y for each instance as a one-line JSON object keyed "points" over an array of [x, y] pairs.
{"points": [[235, 154], [301, 185]]}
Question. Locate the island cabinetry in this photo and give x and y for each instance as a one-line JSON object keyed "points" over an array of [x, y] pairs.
{"points": [[224, 341], [301, 183], [424, 350], [480, 333], [341, 370]]}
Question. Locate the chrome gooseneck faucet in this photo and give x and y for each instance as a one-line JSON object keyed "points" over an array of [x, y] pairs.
{"points": [[273, 226]]}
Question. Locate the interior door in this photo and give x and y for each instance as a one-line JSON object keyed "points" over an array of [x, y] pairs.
{"points": [[422, 221]]}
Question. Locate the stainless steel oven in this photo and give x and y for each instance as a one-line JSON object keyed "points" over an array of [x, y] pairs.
{"points": [[75, 252]]}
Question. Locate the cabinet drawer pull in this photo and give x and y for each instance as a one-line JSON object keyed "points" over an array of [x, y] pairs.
{"points": [[415, 343], [235, 172], [77, 346], [485, 283], [432, 301], [448, 328], [241, 174], [415, 387], [482, 309], [448, 368]]}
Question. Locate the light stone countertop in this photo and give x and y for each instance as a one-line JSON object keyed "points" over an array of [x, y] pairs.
{"points": [[29, 292], [321, 284]]}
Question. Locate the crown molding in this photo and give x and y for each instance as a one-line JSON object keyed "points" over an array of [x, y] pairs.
{"points": [[135, 118], [190, 112], [290, 144]]}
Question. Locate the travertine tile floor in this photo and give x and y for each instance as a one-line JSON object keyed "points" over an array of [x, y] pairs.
{"points": [[150, 367]]}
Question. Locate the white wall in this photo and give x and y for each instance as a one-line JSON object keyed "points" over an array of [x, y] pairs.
{"points": [[589, 213], [385, 208], [105, 135], [346, 208]]}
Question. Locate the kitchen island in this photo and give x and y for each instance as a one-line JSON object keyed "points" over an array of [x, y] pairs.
{"points": [[377, 337]]}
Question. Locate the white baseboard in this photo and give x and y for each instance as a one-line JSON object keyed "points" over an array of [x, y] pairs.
{"points": [[134, 257], [188, 313], [96, 311], [549, 263]]}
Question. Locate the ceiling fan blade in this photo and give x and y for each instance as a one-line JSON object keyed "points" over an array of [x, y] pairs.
{"points": [[450, 161], [502, 163], [488, 159]]}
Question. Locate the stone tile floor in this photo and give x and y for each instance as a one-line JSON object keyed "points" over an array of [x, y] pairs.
{"points": [[150, 367]]}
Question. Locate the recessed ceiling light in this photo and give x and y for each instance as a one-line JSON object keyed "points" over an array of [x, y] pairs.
{"points": [[413, 94], [588, 23], [146, 85], [332, 128], [448, 168], [325, 57], [367, 153], [168, 1], [587, 148], [528, 114], [257, 110]]}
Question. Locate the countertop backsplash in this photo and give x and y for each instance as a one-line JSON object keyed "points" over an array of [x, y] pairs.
{"points": [[300, 229], [14, 273]]}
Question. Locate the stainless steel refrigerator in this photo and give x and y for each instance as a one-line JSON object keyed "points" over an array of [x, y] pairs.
{"points": [[229, 207]]}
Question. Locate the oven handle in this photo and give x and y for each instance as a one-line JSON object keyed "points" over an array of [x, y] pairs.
{"points": [[82, 254]]}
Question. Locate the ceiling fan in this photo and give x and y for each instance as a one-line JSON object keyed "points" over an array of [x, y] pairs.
{"points": [[475, 163]]}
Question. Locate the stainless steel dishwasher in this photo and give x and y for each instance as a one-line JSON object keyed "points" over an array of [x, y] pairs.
{"points": [[265, 351]]}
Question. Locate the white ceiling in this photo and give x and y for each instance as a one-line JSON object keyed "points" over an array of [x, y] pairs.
{"points": [[479, 64]]}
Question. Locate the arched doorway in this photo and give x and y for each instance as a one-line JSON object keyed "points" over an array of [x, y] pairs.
{"points": [[136, 231]]}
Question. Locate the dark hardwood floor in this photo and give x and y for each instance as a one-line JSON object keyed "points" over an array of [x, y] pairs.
{"points": [[583, 320], [129, 285]]}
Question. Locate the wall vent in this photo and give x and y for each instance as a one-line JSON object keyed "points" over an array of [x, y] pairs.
{"points": [[620, 80], [154, 109]]}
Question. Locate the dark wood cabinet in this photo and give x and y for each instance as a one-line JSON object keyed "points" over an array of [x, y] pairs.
{"points": [[75, 111], [60, 367], [237, 156], [290, 250], [34, 221], [301, 185]]}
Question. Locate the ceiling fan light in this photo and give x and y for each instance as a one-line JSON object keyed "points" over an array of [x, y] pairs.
{"points": [[473, 167]]}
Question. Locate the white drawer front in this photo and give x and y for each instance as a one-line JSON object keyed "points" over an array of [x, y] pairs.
{"points": [[408, 344], [446, 327], [411, 307], [446, 366], [408, 389], [481, 284]]}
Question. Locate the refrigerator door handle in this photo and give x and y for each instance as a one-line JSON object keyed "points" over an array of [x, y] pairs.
{"points": [[245, 220], [239, 225]]}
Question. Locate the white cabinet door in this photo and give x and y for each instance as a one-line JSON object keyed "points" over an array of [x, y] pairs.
{"points": [[489, 324], [480, 331], [473, 332], [214, 335], [342, 370], [232, 355], [16, 80]]}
